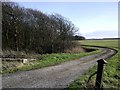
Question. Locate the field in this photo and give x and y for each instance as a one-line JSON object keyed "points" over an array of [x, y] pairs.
{"points": [[111, 75], [105, 43]]}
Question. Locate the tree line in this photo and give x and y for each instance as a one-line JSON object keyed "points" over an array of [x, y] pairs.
{"points": [[76, 37], [31, 30]]}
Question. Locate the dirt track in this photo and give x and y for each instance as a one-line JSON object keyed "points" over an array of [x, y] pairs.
{"points": [[59, 76]]}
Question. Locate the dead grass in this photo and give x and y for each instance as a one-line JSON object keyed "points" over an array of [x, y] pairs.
{"points": [[11, 65], [76, 49]]}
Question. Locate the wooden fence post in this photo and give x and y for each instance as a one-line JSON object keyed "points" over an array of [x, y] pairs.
{"points": [[101, 63]]}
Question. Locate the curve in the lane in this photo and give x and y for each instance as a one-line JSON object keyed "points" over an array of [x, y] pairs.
{"points": [[108, 49]]}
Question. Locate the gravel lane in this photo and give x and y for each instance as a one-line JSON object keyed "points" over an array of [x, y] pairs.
{"points": [[59, 76]]}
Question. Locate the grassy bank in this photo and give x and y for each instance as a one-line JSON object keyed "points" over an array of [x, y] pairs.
{"points": [[49, 60], [111, 75]]}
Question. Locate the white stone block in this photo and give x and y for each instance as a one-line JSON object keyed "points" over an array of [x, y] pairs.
{"points": [[25, 60]]}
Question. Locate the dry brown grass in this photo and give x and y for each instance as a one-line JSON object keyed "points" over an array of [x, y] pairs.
{"points": [[10, 65], [20, 54], [76, 49]]}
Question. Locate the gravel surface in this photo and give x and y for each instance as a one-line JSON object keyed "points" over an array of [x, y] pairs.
{"points": [[59, 76]]}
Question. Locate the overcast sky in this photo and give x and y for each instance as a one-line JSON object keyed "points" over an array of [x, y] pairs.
{"points": [[94, 19]]}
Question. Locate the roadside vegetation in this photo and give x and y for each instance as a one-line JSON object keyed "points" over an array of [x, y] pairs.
{"points": [[111, 75], [47, 60]]}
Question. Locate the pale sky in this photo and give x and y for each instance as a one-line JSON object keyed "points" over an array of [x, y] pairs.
{"points": [[94, 19]]}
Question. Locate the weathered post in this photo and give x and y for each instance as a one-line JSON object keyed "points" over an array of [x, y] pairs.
{"points": [[101, 63]]}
